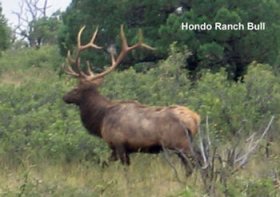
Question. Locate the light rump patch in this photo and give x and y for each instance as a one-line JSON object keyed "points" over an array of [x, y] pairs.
{"points": [[188, 117]]}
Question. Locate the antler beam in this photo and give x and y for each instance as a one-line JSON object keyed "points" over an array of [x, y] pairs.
{"points": [[115, 61]]}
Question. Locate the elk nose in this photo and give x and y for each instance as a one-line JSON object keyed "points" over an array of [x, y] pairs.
{"points": [[65, 99]]}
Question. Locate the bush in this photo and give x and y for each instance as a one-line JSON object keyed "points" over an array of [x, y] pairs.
{"points": [[165, 84], [34, 117], [232, 106], [260, 188], [35, 122]]}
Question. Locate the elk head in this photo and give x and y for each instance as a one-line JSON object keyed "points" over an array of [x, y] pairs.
{"points": [[88, 80]]}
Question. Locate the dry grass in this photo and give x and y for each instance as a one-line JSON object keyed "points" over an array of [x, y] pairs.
{"points": [[17, 77], [148, 175]]}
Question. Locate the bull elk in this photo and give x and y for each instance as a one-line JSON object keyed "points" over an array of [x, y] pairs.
{"points": [[127, 126]]}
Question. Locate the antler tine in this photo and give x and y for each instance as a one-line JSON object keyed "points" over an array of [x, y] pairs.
{"points": [[89, 71], [89, 75], [125, 48], [70, 71], [140, 42], [67, 68], [69, 58], [91, 42], [123, 39], [79, 37], [76, 59]]}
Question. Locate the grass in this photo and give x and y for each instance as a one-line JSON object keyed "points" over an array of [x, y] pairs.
{"points": [[147, 176]]}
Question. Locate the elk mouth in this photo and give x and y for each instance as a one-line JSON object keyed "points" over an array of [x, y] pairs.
{"points": [[68, 100]]}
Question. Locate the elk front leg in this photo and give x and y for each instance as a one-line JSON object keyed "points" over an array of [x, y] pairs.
{"points": [[113, 156], [122, 154]]}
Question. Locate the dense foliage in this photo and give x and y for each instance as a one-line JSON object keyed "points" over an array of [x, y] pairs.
{"points": [[44, 30], [231, 49], [161, 23], [109, 15]]}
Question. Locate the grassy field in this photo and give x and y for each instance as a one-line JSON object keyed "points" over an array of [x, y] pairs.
{"points": [[147, 176]]}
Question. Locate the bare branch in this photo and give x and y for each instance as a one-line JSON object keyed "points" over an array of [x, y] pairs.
{"points": [[30, 8], [205, 144], [205, 161], [219, 167], [29, 12], [207, 131], [242, 160]]}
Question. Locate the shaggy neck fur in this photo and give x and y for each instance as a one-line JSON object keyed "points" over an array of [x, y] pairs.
{"points": [[93, 110]]}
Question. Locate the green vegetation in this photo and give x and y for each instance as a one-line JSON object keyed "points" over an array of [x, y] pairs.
{"points": [[44, 149], [44, 30], [232, 50], [161, 23], [4, 32]]}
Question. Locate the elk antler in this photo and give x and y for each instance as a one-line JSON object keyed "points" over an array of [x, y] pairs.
{"points": [[115, 61], [76, 60]]}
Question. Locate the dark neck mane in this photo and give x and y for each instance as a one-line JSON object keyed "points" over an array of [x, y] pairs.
{"points": [[93, 110]]}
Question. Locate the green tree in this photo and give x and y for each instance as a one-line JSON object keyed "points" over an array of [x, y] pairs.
{"points": [[109, 15], [4, 32], [161, 21], [34, 25], [233, 50], [45, 30]]}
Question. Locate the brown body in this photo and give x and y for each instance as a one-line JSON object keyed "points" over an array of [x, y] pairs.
{"points": [[129, 126]]}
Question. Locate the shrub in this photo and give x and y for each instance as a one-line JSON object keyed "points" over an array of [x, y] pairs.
{"points": [[165, 84], [35, 121], [260, 188]]}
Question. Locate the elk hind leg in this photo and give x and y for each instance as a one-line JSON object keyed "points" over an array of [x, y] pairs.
{"points": [[113, 157], [186, 163]]}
